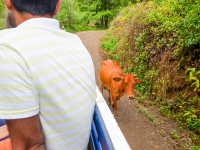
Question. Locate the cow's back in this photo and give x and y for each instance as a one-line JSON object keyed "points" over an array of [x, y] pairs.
{"points": [[116, 64], [107, 68]]}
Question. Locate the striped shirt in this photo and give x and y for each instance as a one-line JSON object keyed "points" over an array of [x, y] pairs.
{"points": [[47, 71]]}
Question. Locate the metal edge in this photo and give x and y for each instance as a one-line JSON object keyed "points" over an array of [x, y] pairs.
{"points": [[103, 135]]}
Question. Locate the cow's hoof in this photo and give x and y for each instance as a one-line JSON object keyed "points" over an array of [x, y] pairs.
{"points": [[113, 106], [109, 102]]}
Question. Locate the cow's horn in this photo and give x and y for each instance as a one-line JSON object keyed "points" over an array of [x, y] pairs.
{"points": [[122, 73], [135, 75]]}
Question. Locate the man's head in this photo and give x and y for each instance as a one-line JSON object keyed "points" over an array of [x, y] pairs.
{"points": [[27, 9], [35, 7]]}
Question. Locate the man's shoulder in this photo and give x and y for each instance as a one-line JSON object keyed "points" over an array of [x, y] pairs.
{"points": [[16, 37], [6, 33], [68, 34], [20, 31]]}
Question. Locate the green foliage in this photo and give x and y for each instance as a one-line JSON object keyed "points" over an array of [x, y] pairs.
{"points": [[144, 30], [161, 132], [2, 14], [193, 77], [182, 18], [165, 110], [82, 15], [183, 146], [146, 113], [193, 124], [181, 129], [195, 139], [175, 135], [195, 148], [186, 114], [109, 44]]}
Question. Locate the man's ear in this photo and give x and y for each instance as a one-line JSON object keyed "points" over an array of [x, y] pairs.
{"points": [[117, 79], [8, 4], [57, 7], [138, 81]]}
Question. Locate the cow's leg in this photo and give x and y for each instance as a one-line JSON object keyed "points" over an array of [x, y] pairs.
{"points": [[109, 98], [102, 88], [115, 105]]}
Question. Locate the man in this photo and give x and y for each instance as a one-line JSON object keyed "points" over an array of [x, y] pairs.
{"points": [[63, 29], [47, 81]]}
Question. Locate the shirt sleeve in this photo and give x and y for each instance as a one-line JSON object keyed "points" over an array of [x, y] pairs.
{"points": [[18, 97]]}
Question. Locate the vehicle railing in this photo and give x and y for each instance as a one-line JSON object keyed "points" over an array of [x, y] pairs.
{"points": [[106, 134]]}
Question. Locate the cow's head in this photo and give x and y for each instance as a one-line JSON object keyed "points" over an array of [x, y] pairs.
{"points": [[129, 81], [126, 82], [118, 84]]}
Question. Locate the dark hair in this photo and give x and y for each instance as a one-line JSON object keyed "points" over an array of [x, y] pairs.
{"points": [[35, 7]]}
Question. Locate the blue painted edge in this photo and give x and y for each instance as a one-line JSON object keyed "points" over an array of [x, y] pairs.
{"points": [[95, 137], [92, 139], [103, 136]]}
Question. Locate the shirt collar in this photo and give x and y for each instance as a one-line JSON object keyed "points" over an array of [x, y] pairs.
{"points": [[41, 22]]}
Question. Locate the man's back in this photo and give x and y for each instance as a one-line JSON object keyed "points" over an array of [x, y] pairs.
{"points": [[48, 71]]}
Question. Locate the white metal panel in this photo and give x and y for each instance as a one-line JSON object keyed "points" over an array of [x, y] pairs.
{"points": [[115, 133]]}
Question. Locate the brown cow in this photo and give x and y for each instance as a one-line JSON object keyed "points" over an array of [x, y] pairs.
{"points": [[113, 78]]}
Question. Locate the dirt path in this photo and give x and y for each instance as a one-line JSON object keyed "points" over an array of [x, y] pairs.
{"points": [[138, 131]]}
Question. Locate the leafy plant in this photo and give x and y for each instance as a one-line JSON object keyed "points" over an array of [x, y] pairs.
{"points": [[161, 132], [175, 135], [195, 148], [193, 124], [155, 122], [193, 77], [183, 146], [181, 129], [194, 100], [195, 139], [151, 117]]}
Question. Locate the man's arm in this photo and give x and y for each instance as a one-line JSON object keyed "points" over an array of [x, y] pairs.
{"points": [[26, 134]]}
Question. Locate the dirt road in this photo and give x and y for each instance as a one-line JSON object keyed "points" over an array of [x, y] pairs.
{"points": [[140, 133]]}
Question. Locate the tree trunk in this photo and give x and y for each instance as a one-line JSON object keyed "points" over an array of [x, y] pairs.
{"points": [[106, 21]]}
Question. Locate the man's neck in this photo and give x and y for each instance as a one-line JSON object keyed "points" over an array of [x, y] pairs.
{"points": [[21, 17]]}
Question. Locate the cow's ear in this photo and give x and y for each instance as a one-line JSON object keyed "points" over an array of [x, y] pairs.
{"points": [[117, 79], [138, 81]]}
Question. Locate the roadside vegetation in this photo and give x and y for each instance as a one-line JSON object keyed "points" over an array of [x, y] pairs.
{"points": [[2, 14], [83, 15], [159, 40]]}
